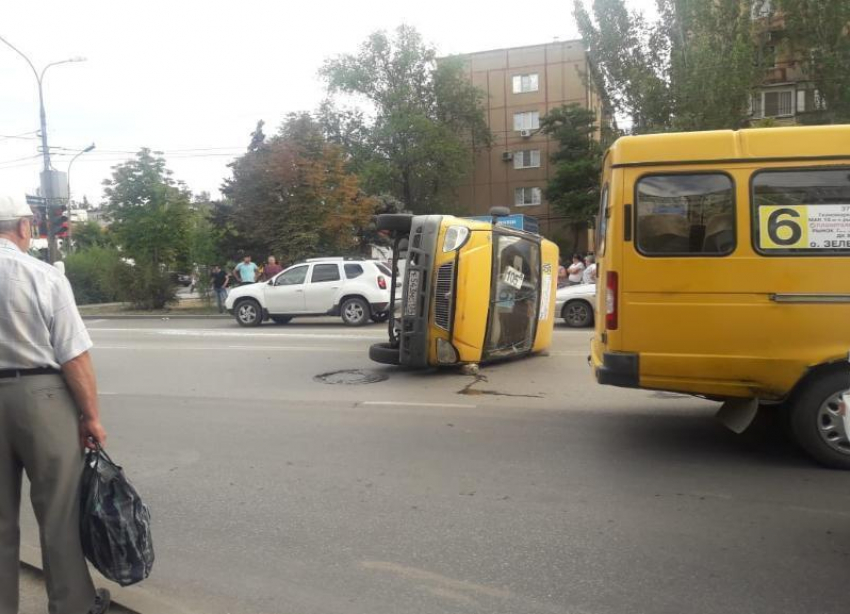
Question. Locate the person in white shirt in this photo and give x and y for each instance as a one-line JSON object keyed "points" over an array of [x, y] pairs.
{"points": [[589, 275], [575, 271], [48, 413]]}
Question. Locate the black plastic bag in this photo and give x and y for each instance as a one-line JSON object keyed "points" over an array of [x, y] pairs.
{"points": [[115, 526]]}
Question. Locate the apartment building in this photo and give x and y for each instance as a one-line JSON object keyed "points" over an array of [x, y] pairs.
{"points": [[786, 94], [521, 85]]}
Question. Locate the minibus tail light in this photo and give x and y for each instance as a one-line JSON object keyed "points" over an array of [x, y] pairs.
{"points": [[611, 287], [382, 282]]}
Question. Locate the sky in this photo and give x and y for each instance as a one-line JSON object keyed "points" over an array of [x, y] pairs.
{"points": [[191, 78]]}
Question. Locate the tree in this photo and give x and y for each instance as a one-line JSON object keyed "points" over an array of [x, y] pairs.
{"points": [[691, 69], [89, 234], [427, 118], [150, 221], [573, 187], [819, 36], [292, 196]]}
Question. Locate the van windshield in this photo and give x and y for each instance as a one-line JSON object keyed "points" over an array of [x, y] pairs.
{"points": [[514, 298]]}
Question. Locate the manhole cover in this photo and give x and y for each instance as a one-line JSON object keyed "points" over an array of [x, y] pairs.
{"points": [[351, 377]]}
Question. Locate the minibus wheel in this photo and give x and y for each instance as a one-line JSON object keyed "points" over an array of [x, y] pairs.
{"points": [[818, 422], [384, 353], [395, 222]]}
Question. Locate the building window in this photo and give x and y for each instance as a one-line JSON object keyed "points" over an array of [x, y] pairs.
{"points": [[530, 120], [773, 103], [687, 214], [525, 83], [525, 197], [529, 158]]}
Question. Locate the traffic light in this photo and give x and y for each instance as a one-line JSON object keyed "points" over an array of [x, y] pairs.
{"points": [[58, 222]]}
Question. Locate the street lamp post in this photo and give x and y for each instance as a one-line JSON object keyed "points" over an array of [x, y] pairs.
{"points": [[46, 177], [70, 217]]}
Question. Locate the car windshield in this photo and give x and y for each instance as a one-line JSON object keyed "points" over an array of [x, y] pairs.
{"points": [[513, 301]]}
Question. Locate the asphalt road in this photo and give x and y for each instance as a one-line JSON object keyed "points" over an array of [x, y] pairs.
{"points": [[528, 490]]}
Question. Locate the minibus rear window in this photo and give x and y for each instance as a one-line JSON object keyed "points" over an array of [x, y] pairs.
{"points": [[685, 215], [802, 211]]}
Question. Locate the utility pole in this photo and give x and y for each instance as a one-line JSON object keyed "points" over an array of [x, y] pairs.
{"points": [[69, 247], [52, 183]]}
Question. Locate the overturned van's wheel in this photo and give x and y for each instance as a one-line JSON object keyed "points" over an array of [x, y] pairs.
{"points": [[395, 222], [385, 354], [381, 316], [818, 421]]}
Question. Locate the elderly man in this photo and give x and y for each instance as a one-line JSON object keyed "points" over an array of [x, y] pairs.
{"points": [[48, 413]]}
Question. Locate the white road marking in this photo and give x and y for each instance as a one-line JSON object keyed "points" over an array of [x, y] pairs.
{"points": [[206, 332], [250, 348], [411, 404]]}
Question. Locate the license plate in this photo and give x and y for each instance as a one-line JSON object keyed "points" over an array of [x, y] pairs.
{"points": [[412, 293]]}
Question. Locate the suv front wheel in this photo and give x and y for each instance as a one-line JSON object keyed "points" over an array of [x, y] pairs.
{"points": [[355, 311], [248, 313]]}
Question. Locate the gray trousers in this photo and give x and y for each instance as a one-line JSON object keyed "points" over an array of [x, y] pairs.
{"points": [[39, 434]]}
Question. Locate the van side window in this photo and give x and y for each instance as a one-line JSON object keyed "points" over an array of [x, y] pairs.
{"points": [[805, 211], [685, 215], [602, 222]]}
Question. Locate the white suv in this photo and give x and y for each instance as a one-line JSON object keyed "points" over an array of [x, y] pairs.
{"points": [[356, 290]]}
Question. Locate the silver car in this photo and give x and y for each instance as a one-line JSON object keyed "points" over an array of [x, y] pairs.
{"points": [[576, 304]]}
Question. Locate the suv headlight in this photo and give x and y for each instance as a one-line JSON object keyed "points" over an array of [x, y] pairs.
{"points": [[456, 236]]}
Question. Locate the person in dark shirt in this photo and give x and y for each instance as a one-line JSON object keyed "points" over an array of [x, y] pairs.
{"points": [[220, 280]]}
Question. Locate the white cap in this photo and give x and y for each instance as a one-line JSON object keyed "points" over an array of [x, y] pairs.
{"points": [[13, 209]]}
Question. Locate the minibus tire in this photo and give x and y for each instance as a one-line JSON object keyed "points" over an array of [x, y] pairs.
{"points": [[381, 316], [394, 222], [811, 412], [385, 354]]}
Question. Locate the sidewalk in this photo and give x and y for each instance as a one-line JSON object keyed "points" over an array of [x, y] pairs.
{"points": [[34, 597]]}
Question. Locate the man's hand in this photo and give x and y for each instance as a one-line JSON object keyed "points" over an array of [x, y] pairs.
{"points": [[91, 433]]}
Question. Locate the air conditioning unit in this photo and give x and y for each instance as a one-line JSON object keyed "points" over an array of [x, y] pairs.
{"points": [[507, 156], [525, 133]]}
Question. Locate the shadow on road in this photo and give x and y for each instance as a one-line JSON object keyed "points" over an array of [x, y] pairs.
{"points": [[696, 437]]}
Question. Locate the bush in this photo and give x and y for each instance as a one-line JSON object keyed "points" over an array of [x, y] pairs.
{"points": [[98, 275], [149, 287]]}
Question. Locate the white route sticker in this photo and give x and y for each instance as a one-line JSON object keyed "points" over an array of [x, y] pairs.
{"points": [[545, 292], [816, 227], [513, 277]]}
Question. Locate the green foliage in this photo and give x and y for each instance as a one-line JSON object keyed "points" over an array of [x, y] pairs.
{"points": [[819, 36], [427, 117], [149, 287], [86, 235], [383, 203], [149, 210], [292, 195], [150, 216], [691, 69], [574, 183], [97, 275]]}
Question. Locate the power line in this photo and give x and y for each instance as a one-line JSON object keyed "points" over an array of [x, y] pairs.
{"points": [[22, 136]]}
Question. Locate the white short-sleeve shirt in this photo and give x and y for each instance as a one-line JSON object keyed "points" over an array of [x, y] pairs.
{"points": [[40, 325]]}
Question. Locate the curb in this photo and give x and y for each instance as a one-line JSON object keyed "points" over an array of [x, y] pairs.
{"points": [[132, 598], [156, 317]]}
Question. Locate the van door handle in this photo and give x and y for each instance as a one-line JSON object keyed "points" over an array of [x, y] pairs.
{"points": [[810, 298]]}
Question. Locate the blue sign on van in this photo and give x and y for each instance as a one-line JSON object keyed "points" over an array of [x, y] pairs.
{"points": [[516, 221]]}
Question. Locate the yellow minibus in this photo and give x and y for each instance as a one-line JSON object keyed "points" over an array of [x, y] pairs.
{"points": [[724, 272], [471, 291]]}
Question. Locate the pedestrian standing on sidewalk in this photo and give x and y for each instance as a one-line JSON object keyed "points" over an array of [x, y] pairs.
{"points": [[48, 414], [246, 271], [220, 279], [575, 271], [271, 269]]}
